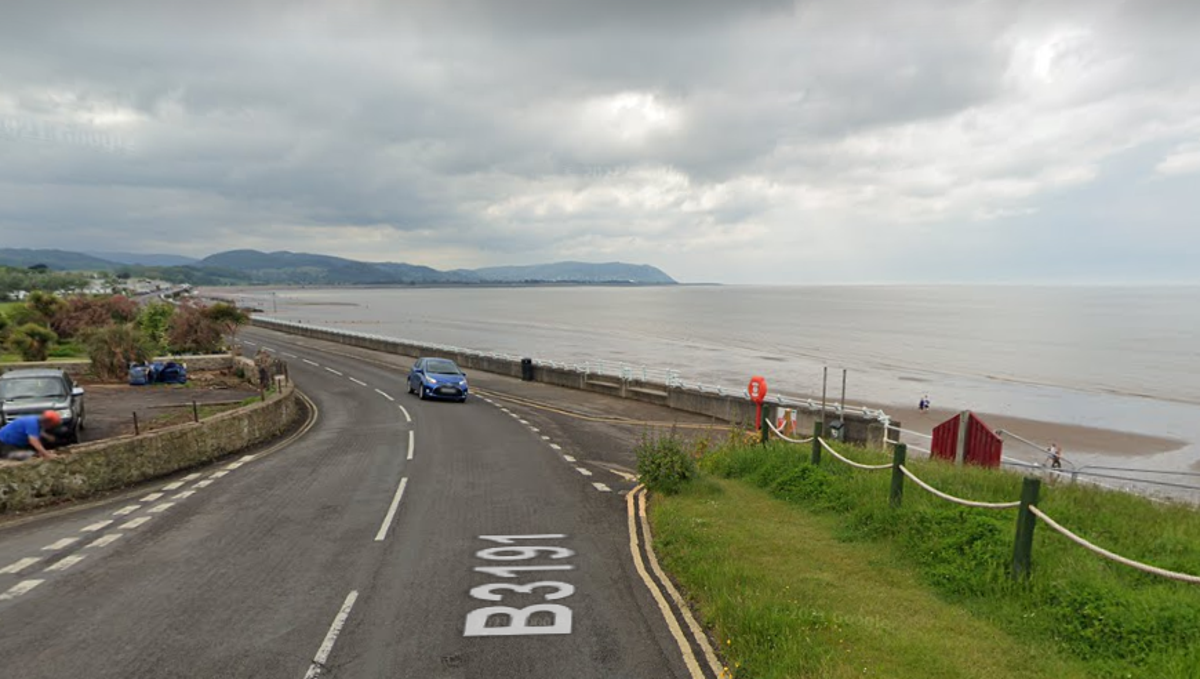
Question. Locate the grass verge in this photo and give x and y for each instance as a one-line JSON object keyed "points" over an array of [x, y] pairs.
{"points": [[1077, 613]]}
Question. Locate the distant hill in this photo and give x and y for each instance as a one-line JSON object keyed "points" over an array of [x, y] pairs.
{"points": [[58, 260], [300, 268], [141, 259]]}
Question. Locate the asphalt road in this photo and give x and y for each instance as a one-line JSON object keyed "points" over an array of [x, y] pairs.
{"points": [[348, 553]]}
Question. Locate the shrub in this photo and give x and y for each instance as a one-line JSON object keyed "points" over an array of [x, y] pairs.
{"points": [[228, 317], [664, 464], [80, 313], [32, 341], [113, 347], [193, 332], [155, 322]]}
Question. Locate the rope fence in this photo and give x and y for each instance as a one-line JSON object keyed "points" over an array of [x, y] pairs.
{"points": [[785, 437], [852, 463], [956, 500]]}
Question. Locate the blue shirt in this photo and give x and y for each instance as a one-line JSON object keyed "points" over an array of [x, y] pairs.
{"points": [[17, 432]]}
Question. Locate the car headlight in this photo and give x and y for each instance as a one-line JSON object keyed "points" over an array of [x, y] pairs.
{"points": [[66, 414]]}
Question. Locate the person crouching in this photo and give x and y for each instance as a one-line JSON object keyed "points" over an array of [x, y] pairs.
{"points": [[21, 438]]}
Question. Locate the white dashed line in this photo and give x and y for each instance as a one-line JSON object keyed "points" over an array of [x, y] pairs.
{"points": [[602, 487], [522, 421], [268, 349], [568, 458], [288, 355], [253, 344], [247, 458], [384, 394], [358, 382], [18, 566], [411, 439], [105, 540], [151, 497], [96, 526], [534, 429], [545, 438], [135, 523], [66, 562], [192, 477], [183, 495], [217, 475], [55, 546], [311, 362], [318, 664], [160, 507], [335, 372], [583, 471], [127, 510], [173, 486], [20, 588], [204, 484], [555, 446], [391, 513], [407, 417], [234, 465]]}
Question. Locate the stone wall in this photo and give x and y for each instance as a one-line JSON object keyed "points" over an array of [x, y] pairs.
{"points": [[88, 469]]}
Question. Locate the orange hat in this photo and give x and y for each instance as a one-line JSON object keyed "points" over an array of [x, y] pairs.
{"points": [[52, 417]]}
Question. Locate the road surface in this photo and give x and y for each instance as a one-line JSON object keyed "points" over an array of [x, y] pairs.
{"points": [[394, 538]]}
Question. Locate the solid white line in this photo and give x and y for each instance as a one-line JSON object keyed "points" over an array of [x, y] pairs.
{"points": [[217, 475], [384, 394], [411, 440], [204, 484], [20, 588], [54, 546], [135, 523], [104, 540], [555, 446], [358, 382], [18, 566], [192, 477], [311, 362], [95, 526], [583, 471], [183, 495], [318, 663], [151, 497], [568, 458], [335, 372], [127, 510], [407, 417], [391, 513], [160, 507], [66, 562], [603, 488]]}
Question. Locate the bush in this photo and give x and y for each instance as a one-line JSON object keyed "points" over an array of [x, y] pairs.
{"points": [[81, 313], [664, 464], [114, 347], [155, 322], [32, 341], [193, 332]]}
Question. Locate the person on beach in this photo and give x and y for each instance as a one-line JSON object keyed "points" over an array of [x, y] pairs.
{"points": [[1055, 456], [22, 438], [924, 404]]}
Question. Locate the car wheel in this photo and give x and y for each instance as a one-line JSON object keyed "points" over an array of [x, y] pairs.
{"points": [[421, 392]]}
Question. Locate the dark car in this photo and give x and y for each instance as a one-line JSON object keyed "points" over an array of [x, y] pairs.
{"points": [[437, 378], [34, 391]]}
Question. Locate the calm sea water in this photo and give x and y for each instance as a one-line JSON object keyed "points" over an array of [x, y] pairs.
{"points": [[1118, 358]]}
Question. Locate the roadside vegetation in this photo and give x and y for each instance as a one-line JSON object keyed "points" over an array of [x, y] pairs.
{"points": [[805, 570]]}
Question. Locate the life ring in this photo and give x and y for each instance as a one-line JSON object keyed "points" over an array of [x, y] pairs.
{"points": [[757, 389]]}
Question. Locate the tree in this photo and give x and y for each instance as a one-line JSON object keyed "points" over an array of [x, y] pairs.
{"points": [[44, 305], [193, 332], [113, 347], [81, 313], [155, 322], [228, 317], [32, 341]]}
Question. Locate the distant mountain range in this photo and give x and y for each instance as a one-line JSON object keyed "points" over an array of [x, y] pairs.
{"points": [[240, 267]]}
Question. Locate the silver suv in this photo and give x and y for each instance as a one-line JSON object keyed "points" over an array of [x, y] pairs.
{"points": [[33, 391]]}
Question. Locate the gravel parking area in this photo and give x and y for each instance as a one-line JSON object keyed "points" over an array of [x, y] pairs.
{"points": [[110, 407]]}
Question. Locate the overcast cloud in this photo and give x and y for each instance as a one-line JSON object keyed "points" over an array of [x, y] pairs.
{"points": [[816, 142]]}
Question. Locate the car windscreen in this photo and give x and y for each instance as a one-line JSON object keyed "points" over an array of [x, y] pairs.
{"points": [[27, 388], [442, 367]]}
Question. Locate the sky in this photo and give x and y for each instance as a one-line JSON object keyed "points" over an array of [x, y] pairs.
{"points": [[747, 141]]}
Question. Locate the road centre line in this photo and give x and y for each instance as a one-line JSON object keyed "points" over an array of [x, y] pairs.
{"points": [[253, 344], [160, 507], [411, 439], [384, 394], [55, 546], [288, 355], [173, 486], [545, 438], [18, 566], [104, 540], [20, 588], [203, 484], [135, 522], [183, 495], [568, 458], [585, 472], [311, 362], [335, 372], [358, 381], [317, 668], [126, 510], [407, 417], [555, 446], [66, 562], [95, 526], [534, 430], [391, 513], [522, 421], [151, 497], [603, 488]]}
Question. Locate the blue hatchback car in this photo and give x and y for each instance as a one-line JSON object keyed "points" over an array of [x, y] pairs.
{"points": [[437, 378]]}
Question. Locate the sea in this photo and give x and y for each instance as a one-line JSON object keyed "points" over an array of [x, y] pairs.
{"points": [[1121, 358]]}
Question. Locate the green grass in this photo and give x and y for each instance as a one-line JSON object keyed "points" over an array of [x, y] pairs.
{"points": [[1076, 608]]}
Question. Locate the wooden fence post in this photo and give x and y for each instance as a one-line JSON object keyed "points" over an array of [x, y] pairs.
{"points": [[899, 455], [1023, 546], [816, 449]]}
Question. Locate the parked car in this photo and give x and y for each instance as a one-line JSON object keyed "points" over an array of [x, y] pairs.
{"points": [[36, 390], [437, 378]]}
